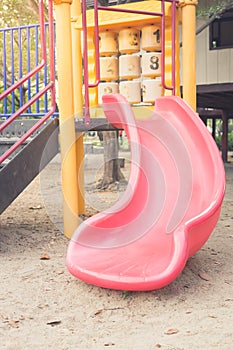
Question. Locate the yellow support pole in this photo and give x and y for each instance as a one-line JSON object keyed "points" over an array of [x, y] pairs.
{"points": [[189, 51], [78, 103], [66, 115]]}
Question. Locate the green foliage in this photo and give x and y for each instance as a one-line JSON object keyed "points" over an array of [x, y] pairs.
{"points": [[218, 140], [18, 12], [214, 9], [218, 136]]}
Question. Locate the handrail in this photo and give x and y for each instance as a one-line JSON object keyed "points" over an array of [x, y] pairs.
{"points": [[165, 86], [96, 43], [50, 86], [25, 106], [43, 54], [85, 64], [21, 51]]}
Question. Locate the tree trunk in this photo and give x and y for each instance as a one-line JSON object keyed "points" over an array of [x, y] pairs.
{"points": [[112, 171]]}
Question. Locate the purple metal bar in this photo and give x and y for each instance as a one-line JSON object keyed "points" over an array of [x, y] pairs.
{"points": [[4, 71], [29, 63], [20, 65], [45, 77], [21, 27], [12, 70], [36, 63]]}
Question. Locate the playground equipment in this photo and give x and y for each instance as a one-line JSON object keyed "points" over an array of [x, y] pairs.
{"points": [[176, 185], [20, 163], [69, 63], [169, 209]]}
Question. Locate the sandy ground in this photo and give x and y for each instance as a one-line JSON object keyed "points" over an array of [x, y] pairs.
{"points": [[43, 307]]}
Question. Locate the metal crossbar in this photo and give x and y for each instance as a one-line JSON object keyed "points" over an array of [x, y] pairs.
{"points": [[40, 69], [87, 85]]}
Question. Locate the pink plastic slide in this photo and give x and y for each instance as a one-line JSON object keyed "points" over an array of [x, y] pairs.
{"points": [[170, 207]]}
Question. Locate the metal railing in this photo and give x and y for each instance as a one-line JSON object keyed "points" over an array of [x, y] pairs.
{"points": [[28, 82], [161, 14], [20, 53]]}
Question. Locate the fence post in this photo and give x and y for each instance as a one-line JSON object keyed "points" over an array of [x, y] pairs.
{"points": [[189, 51], [78, 101], [66, 115]]}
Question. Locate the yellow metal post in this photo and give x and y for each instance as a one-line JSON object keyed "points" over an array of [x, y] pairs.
{"points": [[189, 51], [78, 102], [66, 115]]}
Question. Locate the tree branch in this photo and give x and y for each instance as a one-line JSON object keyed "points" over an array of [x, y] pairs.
{"points": [[217, 14], [33, 6]]}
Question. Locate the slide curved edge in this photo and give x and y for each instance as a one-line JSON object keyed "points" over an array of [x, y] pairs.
{"points": [[167, 276]]}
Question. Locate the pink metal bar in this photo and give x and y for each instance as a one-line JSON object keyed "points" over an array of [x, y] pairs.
{"points": [[42, 28], [163, 47], [52, 57], [173, 45], [25, 106], [96, 42], [26, 136], [85, 64], [85, 57], [22, 80], [137, 12]]}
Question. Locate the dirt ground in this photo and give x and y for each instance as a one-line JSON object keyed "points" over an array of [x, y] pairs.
{"points": [[43, 307]]}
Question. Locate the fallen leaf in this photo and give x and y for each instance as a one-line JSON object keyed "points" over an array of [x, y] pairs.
{"points": [[98, 312], [109, 344], [126, 294], [44, 257], [204, 276], [54, 323], [227, 282], [212, 316], [158, 346], [13, 324], [59, 272], [172, 331], [37, 207]]}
